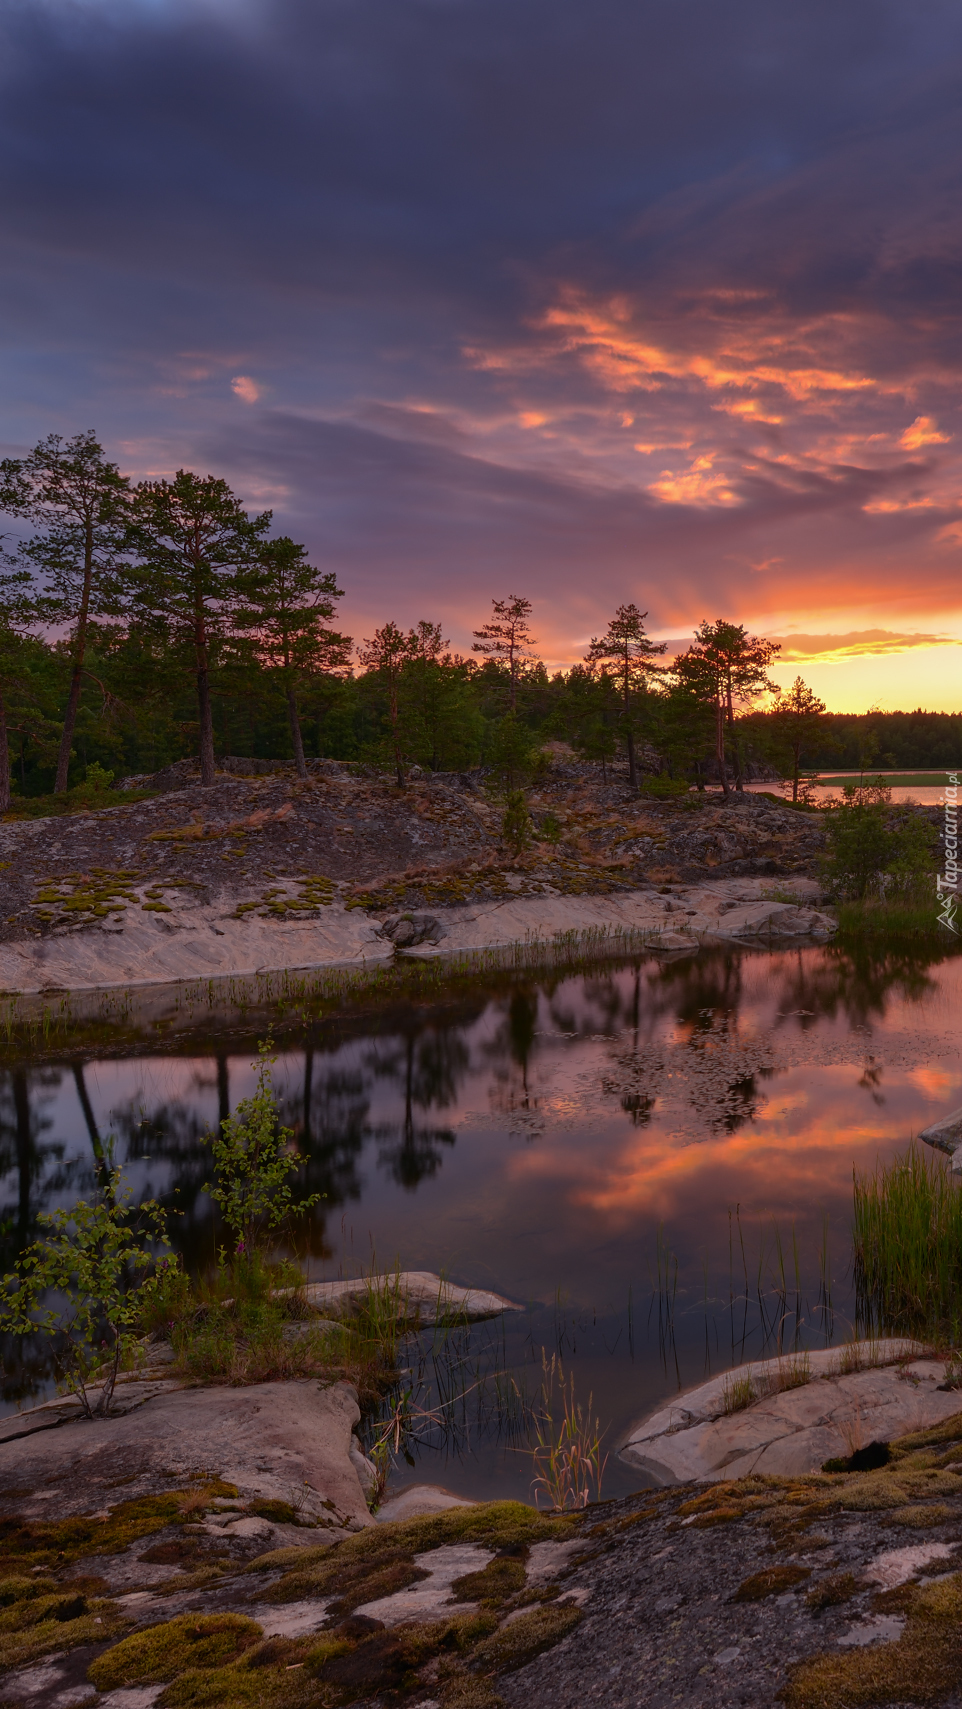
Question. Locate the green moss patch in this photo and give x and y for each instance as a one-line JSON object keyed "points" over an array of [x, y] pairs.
{"points": [[526, 1637], [57, 1543], [357, 1560], [162, 1652], [773, 1581], [920, 1517], [38, 1615], [922, 1666], [830, 1592], [501, 1578]]}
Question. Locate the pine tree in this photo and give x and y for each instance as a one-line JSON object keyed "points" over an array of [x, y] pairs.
{"points": [[739, 662], [20, 608], [196, 545], [386, 653], [81, 504], [287, 603], [797, 719], [627, 653], [507, 637]]}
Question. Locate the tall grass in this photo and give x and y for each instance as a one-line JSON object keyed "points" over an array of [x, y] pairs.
{"points": [[907, 1237], [568, 1463]]}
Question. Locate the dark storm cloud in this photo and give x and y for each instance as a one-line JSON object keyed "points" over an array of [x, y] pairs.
{"points": [[546, 291]]}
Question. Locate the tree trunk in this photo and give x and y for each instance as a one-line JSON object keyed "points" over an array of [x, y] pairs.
{"points": [[632, 766], [395, 731], [296, 739], [736, 753], [720, 745], [4, 760]]}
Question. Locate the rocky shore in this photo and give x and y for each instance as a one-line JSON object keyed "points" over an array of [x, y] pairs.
{"points": [[214, 1547], [261, 874]]}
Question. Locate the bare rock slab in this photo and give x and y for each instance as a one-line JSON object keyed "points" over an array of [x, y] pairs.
{"points": [[789, 1431], [419, 1294], [287, 1442]]}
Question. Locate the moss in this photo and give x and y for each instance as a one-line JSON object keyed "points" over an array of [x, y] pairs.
{"points": [[922, 1666], [369, 1581], [463, 1692], [718, 1516], [772, 1581], [236, 1688], [500, 1525], [950, 1430], [919, 1517], [501, 1578], [524, 1638], [830, 1592], [59, 1620], [161, 1652]]}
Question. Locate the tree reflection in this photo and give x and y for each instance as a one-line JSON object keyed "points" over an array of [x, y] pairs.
{"points": [[430, 1069]]}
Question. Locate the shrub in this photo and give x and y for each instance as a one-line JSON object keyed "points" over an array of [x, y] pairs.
{"points": [[252, 1166], [86, 1263]]}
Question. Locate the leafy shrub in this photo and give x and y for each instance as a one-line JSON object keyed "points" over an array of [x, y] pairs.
{"points": [[86, 1264]]}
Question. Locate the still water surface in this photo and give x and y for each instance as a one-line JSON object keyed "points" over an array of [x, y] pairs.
{"points": [[632, 1155]]}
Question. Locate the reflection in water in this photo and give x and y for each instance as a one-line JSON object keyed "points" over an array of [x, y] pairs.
{"points": [[654, 1158]]}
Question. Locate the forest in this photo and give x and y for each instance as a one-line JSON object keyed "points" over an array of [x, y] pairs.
{"points": [[142, 624]]}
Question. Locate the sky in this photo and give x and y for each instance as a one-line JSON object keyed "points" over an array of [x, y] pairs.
{"points": [[629, 300]]}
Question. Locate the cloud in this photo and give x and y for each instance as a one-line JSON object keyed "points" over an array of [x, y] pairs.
{"points": [[244, 387], [922, 432], [599, 302], [857, 644]]}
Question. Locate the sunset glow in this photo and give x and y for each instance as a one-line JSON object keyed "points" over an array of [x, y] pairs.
{"points": [[641, 308]]}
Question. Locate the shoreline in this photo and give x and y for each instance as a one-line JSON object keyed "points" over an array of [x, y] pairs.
{"points": [[198, 953]]}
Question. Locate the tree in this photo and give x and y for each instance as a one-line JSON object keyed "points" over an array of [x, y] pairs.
{"points": [[797, 719], [442, 721], [387, 652], [252, 1166], [85, 1263], [196, 544], [286, 606], [81, 503], [20, 607], [627, 653], [507, 637], [738, 663]]}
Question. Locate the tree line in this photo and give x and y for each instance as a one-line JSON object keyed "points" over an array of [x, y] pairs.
{"points": [[142, 623]]}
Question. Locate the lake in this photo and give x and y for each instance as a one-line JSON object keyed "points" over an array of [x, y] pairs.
{"points": [[654, 1159]]}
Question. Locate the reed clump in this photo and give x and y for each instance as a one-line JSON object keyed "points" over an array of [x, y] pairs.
{"points": [[907, 1239]]}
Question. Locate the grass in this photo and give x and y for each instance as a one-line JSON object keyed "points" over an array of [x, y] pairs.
{"points": [[249, 1322], [738, 1393], [907, 1238], [567, 1457], [877, 922]]}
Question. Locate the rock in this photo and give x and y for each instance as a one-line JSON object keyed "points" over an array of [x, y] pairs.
{"points": [[946, 1135], [431, 1598], [413, 929], [791, 1430], [419, 1294], [269, 1440], [418, 1500]]}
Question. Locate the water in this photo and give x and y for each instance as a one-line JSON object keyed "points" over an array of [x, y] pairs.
{"points": [[654, 1160]]}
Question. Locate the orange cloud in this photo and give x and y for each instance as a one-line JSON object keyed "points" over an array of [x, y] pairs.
{"points": [[923, 431]]}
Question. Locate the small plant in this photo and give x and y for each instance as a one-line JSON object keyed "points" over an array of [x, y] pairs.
{"points": [[567, 1452], [86, 1262], [252, 1165], [516, 824], [791, 1373], [549, 829], [739, 1393]]}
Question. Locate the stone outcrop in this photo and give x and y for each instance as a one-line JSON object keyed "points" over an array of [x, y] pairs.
{"points": [[809, 1408]]}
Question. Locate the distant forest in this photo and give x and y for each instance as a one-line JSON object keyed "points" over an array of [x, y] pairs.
{"points": [[185, 627]]}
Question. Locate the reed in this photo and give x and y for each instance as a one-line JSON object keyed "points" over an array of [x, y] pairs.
{"points": [[907, 1238], [568, 1462]]}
